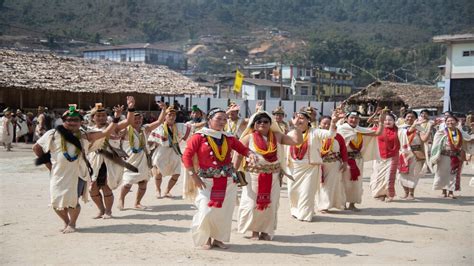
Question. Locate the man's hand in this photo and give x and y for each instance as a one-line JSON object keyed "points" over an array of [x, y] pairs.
{"points": [[253, 158], [118, 109], [337, 115], [259, 106], [130, 102], [162, 105], [294, 120], [198, 182], [343, 167], [383, 115]]}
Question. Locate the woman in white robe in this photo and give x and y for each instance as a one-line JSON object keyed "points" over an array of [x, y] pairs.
{"points": [[21, 126], [214, 179], [448, 146], [413, 137], [361, 146], [382, 180], [6, 130], [331, 192], [304, 163], [260, 197]]}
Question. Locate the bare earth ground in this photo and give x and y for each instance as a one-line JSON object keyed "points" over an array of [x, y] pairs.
{"points": [[430, 230]]}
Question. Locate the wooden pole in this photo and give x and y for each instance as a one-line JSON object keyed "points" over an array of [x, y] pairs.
{"points": [[21, 99], [149, 103]]}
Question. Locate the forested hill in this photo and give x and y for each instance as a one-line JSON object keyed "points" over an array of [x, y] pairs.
{"points": [[361, 27]]}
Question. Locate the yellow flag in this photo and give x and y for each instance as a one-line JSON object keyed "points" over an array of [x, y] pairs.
{"points": [[239, 78]]}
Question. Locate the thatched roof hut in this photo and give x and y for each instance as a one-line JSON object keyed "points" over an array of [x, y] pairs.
{"points": [[394, 95], [39, 73]]}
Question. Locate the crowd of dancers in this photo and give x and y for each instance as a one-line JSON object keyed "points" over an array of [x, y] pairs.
{"points": [[320, 161]]}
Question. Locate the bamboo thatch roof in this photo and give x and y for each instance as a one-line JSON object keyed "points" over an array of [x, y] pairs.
{"points": [[413, 95], [39, 71]]}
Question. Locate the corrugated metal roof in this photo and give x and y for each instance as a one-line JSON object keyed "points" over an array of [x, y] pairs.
{"points": [[131, 46]]}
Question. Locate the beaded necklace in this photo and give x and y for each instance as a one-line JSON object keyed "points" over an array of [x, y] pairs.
{"points": [[174, 138], [224, 148], [64, 148], [131, 139], [232, 127], [454, 144]]}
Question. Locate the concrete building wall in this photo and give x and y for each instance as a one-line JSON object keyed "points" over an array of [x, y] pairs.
{"points": [[462, 61]]}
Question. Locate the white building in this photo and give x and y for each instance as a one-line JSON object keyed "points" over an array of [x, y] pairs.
{"points": [[459, 72], [139, 53], [252, 89]]}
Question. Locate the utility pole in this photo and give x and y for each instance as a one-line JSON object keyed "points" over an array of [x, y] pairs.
{"points": [[318, 80], [281, 78]]}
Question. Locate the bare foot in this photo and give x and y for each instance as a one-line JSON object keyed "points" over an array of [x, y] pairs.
{"points": [[410, 197], [107, 216], [325, 211], [265, 236], [388, 199], [451, 196], [158, 195], [64, 228], [168, 195], [98, 216], [208, 245], [254, 236], [140, 207], [353, 208], [121, 205], [69, 229], [219, 244], [381, 198]]}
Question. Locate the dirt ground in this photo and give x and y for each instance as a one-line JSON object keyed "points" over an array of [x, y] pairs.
{"points": [[430, 230]]}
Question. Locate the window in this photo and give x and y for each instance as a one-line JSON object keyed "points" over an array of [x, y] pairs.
{"points": [[123, 57], [102, 57], [154, 58], [304, 90], [468, 53], [275, 92], [308, 72], [261, 95]]}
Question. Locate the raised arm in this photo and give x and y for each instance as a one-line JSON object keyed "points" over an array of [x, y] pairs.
{"points": [[130, 114], [41, 120], [294, 137], [379, 130], [373, 118], [160, 119], [336, 116]]}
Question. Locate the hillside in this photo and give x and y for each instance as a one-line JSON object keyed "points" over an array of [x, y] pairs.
{"points": [[377, 35]]}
